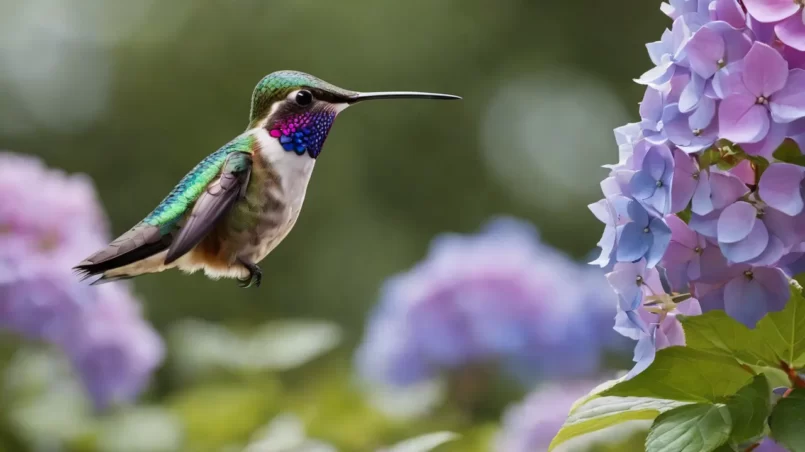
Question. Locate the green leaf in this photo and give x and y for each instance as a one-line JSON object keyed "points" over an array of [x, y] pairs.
{"points": [[716, 332], [787, 421], [779, 336], [602, 412], [749, 409], [789, 152], [595, 392], [685, 374], [786, 329], [685, 214], [699, 427]]}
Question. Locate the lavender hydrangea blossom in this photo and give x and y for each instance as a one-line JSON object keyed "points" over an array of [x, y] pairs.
{"points": [[43, 232], [531, 425], [701, 211], [497, 297]]}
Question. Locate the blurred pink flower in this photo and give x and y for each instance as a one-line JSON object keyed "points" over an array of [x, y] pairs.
{"points": [[532, 424], [48, 221]]}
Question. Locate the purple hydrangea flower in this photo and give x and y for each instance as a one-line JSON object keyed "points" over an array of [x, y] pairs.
{"points": [[744, 292], [762, 89], [646, 313], [499, 296], [633, 282], [654, 331], [704, 208], [682, 260], [754, 234], [668, 54], [651, 185], [112, 348], [768, 445], [781, 187], [532, 424], [613, 212], [677, 8], [695, 131], [646, 236], [787, 16], [43, 232], [651, 116], [731, 12]]}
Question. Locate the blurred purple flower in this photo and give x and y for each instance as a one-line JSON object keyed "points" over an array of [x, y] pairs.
{"points": [[499, 296], [532, 424], [46, 216], [768, 445], [43, 232], [113, 349]]}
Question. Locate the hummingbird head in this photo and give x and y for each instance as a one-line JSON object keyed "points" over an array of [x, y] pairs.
{"points": [[298, 109]]}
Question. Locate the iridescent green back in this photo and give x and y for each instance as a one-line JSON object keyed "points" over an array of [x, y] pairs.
{"points": [[277, 85], [188, 190]]}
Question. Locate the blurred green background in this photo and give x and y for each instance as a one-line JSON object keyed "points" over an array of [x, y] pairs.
{"points": [[135, 93]]}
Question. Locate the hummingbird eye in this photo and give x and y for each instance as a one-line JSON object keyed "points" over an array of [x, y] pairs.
{"points": [[304, 98]]}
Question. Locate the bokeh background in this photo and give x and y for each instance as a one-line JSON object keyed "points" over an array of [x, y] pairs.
{"points": [[133, 94]]}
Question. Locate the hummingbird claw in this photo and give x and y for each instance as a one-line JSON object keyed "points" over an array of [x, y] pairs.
{"points": [[255, 276]]}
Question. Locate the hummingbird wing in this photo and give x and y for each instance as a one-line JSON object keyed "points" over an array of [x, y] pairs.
{"points": [[215, 202], [158, 230]]}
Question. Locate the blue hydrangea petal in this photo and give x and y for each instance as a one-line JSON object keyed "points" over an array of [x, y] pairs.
{"points": [[637, 213], [643, 185], [736, 222], [661, 237], [745, 301], [644, 352], [750, 247], [634, 243]]}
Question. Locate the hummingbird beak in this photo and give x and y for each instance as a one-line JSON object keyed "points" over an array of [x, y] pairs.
{"points": [[360, 97]]}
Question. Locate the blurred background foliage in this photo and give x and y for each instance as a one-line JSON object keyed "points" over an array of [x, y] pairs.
{"points": [[135, 93]]}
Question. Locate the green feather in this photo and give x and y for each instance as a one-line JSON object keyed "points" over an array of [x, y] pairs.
{"points": [[277, 85], [188, 190]]}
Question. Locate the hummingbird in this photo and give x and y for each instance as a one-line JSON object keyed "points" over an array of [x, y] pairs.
{"points": [[241, 201]]}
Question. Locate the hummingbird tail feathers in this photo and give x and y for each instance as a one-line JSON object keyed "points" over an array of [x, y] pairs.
{"points": [[140, 243]]}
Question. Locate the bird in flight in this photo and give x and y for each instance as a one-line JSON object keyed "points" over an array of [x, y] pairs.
{"points": [[242, 200]]}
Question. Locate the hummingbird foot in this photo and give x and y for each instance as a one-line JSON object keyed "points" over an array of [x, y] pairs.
{"points": [[255, 275]]}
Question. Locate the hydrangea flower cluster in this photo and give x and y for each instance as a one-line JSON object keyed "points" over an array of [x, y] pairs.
{"points": [[706, 202], [500, 297], [48, 222]]}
